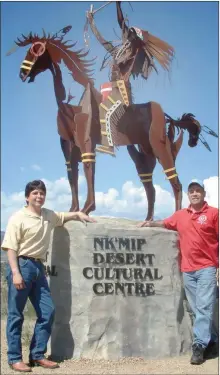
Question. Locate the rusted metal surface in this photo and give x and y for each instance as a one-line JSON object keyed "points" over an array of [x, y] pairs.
{"points": [[145, 125], [122, 122], [82, 128]]}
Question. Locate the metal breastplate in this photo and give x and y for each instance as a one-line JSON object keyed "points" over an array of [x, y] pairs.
{"points": [[116, 96]]}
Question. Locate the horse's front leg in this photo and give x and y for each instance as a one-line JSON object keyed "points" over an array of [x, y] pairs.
{"points": [[88, 159], [72, 157], [145, 172], [145, 164], [87, 149], [164, 153]]}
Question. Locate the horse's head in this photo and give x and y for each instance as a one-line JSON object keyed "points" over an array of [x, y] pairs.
{"points": [[48, 52], [37, 59]]}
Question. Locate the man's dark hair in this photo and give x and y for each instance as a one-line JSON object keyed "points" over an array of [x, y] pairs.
{"points": [[36, 184]]}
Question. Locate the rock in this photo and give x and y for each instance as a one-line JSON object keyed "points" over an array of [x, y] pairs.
{"points": [[104, 310]]}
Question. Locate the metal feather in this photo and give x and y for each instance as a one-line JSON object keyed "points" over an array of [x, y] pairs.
{"points": [[12, 50], [209, 131], [202, 139]]}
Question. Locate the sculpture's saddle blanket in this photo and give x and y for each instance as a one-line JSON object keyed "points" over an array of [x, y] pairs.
{"points": [[116, 97]]}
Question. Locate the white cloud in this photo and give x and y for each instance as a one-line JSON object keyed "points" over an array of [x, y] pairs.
{"points": [[132, 202], [36, 167], [212, 188], [58, 198], [129, 202]]}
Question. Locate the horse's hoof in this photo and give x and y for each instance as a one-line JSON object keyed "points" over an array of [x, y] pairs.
{"points": [[74, 209], [89, 208]]}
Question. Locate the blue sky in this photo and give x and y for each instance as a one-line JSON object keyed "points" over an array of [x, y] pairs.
{"points": [[30, 142]]}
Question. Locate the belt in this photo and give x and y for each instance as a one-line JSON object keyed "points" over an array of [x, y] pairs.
{"points": [[31, 258]]}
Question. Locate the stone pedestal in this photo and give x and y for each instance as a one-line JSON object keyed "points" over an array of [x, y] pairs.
{"points": [[117, 291]]}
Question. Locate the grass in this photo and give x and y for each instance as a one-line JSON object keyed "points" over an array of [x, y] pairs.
{"points": [[27, 332]]}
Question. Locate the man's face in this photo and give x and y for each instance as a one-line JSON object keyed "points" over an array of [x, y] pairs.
{"points": [[36, 198], [196, 194]]}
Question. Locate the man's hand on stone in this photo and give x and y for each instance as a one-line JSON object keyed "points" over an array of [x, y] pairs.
{"points": [[151, 223], [80, 216], [85, 218], [144, 224]]}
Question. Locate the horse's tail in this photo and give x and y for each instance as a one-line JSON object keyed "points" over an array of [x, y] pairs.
{"points": [[175, 146]]}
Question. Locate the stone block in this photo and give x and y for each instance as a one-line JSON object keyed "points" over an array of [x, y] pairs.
{"points": [[117, 291]]}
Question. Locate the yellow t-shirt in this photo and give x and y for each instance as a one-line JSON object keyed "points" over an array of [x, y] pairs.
{"points": [[29, 234]]}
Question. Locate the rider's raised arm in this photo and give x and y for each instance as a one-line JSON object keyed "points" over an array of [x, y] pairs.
{"points": [[107, 45], [121, 20]]}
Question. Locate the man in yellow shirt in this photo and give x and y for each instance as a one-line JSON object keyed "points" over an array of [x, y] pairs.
{"points": [[26, 240]]}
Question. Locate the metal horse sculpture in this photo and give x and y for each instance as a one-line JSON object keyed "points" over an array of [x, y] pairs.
{"points": [[80, 127], [124, 123]]}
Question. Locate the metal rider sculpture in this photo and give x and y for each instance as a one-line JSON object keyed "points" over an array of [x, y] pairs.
{"points": [[124, 123], [79, 126]]}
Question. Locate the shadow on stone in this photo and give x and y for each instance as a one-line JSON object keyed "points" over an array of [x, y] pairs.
{"points": [[62, 342]]}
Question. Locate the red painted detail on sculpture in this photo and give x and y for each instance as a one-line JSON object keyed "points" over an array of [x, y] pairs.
{"points": [[37, 49], [106, 89], [81, 127]]}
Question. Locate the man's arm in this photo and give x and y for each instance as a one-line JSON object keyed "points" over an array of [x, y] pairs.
{"points": [[120, 17], [216, 222], [10, 244], [80, 216], [216, 227], [149, 224], [16, 275], [168, 223]]}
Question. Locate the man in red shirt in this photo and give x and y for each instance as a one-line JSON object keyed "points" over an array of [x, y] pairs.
{"points": [[197, 227]]}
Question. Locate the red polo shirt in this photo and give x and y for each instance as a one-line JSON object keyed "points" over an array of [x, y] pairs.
{"points": [[198, 236]]}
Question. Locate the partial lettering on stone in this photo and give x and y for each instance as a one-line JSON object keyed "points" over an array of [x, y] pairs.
{"points": [[117, 292], [118, 243]]}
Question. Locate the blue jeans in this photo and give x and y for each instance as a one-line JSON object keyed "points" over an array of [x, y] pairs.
{"points": [[200, 287], [38, 291]]}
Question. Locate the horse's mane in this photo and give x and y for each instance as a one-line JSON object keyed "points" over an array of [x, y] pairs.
{"points": [[187, 117], [60, 50], [192, 122], [172, 124]]}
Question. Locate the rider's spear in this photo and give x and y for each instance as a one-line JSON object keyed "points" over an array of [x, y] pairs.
{"points": [[93, 12], [86, 35]]}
